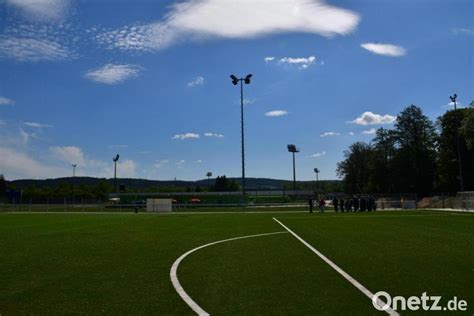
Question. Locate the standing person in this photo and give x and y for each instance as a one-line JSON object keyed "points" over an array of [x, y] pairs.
{"points": [[341, 204], [363, 203], [374, 204], [335, 202], [321, 205], [310, 204], [370, 203], [349, 204], [355, 202]]}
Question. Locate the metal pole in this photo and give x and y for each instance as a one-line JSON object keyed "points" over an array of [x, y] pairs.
{"points": [[115, 178], [461, 182], [294, 174], [242, 133], [317, 183], [73, 175]]}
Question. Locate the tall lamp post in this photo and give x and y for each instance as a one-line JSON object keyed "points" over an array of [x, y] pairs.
{"points": [[292, 149], [461, 181], [316, 170], [235, 81], [209, 175], [115, 159], [73, 176]]}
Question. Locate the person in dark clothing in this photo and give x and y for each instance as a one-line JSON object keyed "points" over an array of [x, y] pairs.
{"points": [[341, 204], [349, 205], [335, 202], [363, 203], [355, 202], [310, 204], [370, 204], [321, 205], [374, 204]]}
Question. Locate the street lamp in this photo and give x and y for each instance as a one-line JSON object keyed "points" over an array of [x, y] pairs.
{"points": [[235, 81], [209, 175], [73, 175], [316, 170], [292, 149], [461, 182], [115, 159]]}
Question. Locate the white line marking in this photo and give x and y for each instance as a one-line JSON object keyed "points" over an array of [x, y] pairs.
{"points": [[353, 281], [174, 268]]}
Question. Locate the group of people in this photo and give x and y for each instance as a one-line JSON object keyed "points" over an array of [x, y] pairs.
{"points": [[357, 203]]}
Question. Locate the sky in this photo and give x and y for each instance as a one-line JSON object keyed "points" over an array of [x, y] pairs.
{"points": [[81, 81]]}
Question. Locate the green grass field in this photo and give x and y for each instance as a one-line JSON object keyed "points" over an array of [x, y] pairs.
{"points": [[120, 263]]}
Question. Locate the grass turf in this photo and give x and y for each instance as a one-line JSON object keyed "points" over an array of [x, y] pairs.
{"points": [[119, 263]]}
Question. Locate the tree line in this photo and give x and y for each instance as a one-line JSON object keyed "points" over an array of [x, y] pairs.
{"points": [[416, 156]]}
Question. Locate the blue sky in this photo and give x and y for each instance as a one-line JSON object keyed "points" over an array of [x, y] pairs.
{"points": [[83, 80]]}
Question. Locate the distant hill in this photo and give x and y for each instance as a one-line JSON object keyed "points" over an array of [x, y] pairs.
{"points": [[130, 183]]}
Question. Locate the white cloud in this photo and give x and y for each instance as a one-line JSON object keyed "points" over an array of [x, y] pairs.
{"points": [[6, 101], [326, 134], [384, 49], [33, 49], [16, 164], [370, 118], [69, 154], [371, 131], [125, 169], [462, 31], [276, 113], [213, 135], [301, 62], [180, 163], [351, 133], [160, 163], [318, 155], [185, 136], [209, 19], [113, 73], [198, 81], [36, 125], [450, 105], [199, 161], [269, 59], [24, 136], [42, 9]]}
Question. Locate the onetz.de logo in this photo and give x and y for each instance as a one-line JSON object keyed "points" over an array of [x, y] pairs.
{"points": [[413, 303]]}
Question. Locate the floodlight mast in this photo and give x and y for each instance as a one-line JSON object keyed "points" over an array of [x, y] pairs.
{"points": [[235, 81], [292, 149], [316, 170], [461, 181], [115, 159], [73, 176]]}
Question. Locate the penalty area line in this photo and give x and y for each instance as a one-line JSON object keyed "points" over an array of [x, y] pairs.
{"points": [[343, 273], [174, 270]]}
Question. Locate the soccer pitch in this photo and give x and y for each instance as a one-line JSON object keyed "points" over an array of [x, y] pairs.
{"points": [[120, 263]]}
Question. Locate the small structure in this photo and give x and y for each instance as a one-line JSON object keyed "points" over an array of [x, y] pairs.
{"points": [[159, 205]]}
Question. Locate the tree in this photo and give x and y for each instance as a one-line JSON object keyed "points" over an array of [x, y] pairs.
{"points": [[414, 162], [382, 160], [3, 187], [355, 169], [467, 128], [453, 124]]}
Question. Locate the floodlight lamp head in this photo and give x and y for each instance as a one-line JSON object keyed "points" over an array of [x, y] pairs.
{"points": [[116, 158], [209, 174], [247, 78], [316, 170], [235, 80], [74, 165], [292, 148]]}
